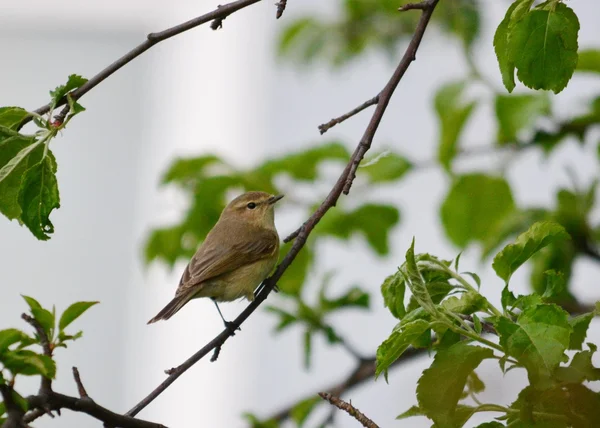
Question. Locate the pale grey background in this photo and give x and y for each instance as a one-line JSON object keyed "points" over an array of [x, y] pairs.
{"points": [[225, 91]]}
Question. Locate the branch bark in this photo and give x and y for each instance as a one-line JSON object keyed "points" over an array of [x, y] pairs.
{"points": [[350, 409], [343, 184]]}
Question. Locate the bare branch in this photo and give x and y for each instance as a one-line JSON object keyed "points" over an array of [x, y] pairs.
{"points": [[80, 388], [349, 408], [281, 5], [327, 126], [14, 412], [46, 383]]}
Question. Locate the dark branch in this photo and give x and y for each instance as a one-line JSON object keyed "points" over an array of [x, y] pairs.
{"points": [[385, 95], [327, 126], [220, 13], [46, 383], [349, 408], [80, 388], [14, 412], [280, 8], [343, 184]]}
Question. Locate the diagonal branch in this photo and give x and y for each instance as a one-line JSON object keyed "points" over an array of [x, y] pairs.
{"points": [[220, 13], [301, 235], [349, 408]]}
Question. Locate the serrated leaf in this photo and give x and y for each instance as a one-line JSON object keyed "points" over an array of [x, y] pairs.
{"points": [[73, 312], [11, 117], [475, 204], [468, 303], [386, 167], [441, 385], [416, 282], [453, 114], [73, 82], [501, 47], [413, 411], [393, 289], [394, 346], [46, 320], [580, 325], [28, 363], [527, 244], [537, 340], [12, 164], [508, 299], [518, 112], [589, 61], [555, 284], [543, 46], [581, 369], [9, 337], [344, 224], [38, 197]]}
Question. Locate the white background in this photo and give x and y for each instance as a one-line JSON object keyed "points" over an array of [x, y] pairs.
{"points": [[225, 92]]}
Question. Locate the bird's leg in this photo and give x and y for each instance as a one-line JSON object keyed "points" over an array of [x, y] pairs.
{"points": [[228, 324]]}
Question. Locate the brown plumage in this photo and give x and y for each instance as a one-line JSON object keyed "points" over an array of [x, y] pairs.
{"points": [[237, 255]]}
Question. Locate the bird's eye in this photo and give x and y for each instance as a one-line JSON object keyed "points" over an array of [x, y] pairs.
{"points": [[251, 205]]}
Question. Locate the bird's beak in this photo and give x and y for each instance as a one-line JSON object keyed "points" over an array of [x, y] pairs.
{"points": [[274, 199]]}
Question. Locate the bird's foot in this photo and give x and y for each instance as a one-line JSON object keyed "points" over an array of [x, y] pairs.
{"points": [[231, 327]]}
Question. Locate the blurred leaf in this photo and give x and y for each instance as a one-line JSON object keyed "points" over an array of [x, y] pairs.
{"points": [[9, 337], [28, 363], [467, 304], [295, 275], [38, 197], [413, 411], [555, 284], [184, 170], [165, 244], [589, 60], [286, 319], [394, 346], [581, 369], [393, 289], [508, 298], [518, 112], [20, 400], [386, 167], [307, 347], [374, 221], [353, 298], [543, 47], [416, 281], [537, 340], [476, 324], [537, 237], [73, 312], [441, 385], [580, 325], [11, 117], [577, 404], [74, 81], [46, 319], [492, 424], [474, 206], [462, 18], [257, 423], [302, 410], [453, 114]]}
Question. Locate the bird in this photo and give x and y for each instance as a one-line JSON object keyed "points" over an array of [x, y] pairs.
{"points": [[238, 253]]}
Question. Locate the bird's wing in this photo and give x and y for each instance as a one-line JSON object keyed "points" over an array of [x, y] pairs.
{"points": [[216, 258]]}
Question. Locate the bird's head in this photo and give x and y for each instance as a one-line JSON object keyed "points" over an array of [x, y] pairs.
{"points": [[256, 208]]}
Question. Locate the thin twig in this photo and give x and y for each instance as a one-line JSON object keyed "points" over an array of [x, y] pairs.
{"points": [[80, 388], [349, 408], [343, 184], [281, 5], [152, 39], [14, 412], [327, 126], [46, 382], [385, 95]]}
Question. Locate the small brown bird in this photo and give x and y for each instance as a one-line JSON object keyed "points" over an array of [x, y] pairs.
{"points": [[237, 255]]}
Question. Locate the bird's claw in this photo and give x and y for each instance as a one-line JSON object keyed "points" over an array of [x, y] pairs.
{"points": [[231, 327]]}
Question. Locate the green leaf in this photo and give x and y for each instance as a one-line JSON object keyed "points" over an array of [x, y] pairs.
{"points": [[307, 347], [508, 299], [461, 17], [537, 340], [73, 312], [394, 346], [386, 167], [393, 289], [28, 363], [475, 205], [589, 61], [353, 298], [286, 319], [416, 282], [467, 304], [257, 423], [518, 112], [476, 324], [580, 325], [555, 285], [581, 369], [46, 320], [13, 163], [74, 81], [20, 401], [38, 197], [343, 224], [291, 283], [413, 411], [543, 47], [11, 117], [453, 113], [492, 424], [33, 304], [527, 244], [441, 385], [9, 337], [185, 170], [501, 47], [302, 410]]}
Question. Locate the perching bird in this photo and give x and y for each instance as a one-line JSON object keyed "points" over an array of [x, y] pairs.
{"points": [[238, 253]]}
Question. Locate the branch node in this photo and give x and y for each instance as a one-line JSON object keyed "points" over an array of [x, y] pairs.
{"points": [[348, 408], [170, 371], [80, 388], [217, 23], [280, 8], [424, 5], [215, 354]]}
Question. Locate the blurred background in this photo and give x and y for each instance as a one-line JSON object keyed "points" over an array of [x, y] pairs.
{"points": [[237, 94]]}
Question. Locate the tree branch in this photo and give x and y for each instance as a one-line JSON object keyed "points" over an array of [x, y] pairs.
{"points": [[46, 383], [327, 126], [343, 184], [220, 13], [281, 5], [349, 408], [14, 412]]}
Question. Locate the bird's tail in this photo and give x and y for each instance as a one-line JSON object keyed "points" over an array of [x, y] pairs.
{"points": [[172, 307]]}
